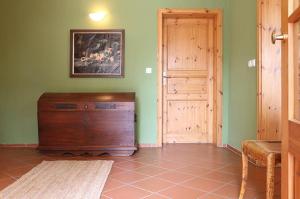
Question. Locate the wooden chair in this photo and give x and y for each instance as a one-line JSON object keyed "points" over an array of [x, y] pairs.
{"points": [[264, 153]]}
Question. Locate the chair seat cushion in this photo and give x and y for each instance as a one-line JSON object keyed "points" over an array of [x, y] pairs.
{"points": [[258, 150]]}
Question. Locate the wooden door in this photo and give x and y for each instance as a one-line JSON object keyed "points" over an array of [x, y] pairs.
{"points": [[188, 88], [269, 70], [291, 100]]}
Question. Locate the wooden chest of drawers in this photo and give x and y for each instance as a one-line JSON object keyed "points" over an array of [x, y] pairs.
{"points": [[87, 122]]}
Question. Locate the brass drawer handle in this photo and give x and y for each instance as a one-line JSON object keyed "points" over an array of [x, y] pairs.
{"points": [[65, 106], [105, 106], [86, 106]]}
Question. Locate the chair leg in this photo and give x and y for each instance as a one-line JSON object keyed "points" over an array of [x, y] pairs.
{"points": [[270, 176], [245, 176]]}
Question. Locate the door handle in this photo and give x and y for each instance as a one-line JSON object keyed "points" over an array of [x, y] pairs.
{"points": [[278, 37]]}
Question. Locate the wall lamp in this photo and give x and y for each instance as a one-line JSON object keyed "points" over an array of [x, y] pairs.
{"points": [[97, 16]]}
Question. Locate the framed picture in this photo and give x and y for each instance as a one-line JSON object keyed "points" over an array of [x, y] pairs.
{"points": [[97, 53]]}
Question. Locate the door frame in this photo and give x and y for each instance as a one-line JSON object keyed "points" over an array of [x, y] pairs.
{"points": [[217, 15], [286, 179], [287, 96]]}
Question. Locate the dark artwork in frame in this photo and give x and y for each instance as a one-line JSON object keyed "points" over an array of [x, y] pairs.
{"points": [[97, 53]]}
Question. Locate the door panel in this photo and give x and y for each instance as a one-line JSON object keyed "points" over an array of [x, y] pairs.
{"points": [[187, 121], [296, 63], [290, 101], [269, 71], [187, 85], [187, 44], [294, 121], [188, 80], [294, 153]]}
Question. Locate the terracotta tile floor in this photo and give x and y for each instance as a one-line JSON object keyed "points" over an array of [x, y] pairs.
{"points": [[183, 171]]}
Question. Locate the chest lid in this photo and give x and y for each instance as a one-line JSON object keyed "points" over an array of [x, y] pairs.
{"points": [[90, 97]]}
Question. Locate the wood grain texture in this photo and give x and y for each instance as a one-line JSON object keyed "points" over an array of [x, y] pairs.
{"points": [[102, 122], [290, 101], [269, 70], [285, 178], [187, 49], [295, 16], [294, 138], [294, 158], [218, 58], [187, 85], [264, 153], [211, 18], [244, 176], [187, 45], [297, 178], [239, 153], [270, 176], [187, 122], [159, 78]]}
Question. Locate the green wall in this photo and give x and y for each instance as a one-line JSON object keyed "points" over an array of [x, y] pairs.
{"points": [[242, 101], [34, 58]]}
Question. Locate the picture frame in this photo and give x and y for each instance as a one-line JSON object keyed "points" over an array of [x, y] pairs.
{"points": [[97, 53]]}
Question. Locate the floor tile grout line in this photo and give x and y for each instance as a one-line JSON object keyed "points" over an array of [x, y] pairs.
{"points": [[132, 184], [128, 183], [208, 194], [173, 184], [105, 196], [189, 164], [214, 192], [199, 188], [178, 172], [156, 193]]}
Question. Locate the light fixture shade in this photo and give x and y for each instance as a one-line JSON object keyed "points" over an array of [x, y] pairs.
{"points": [[97, 16]]}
